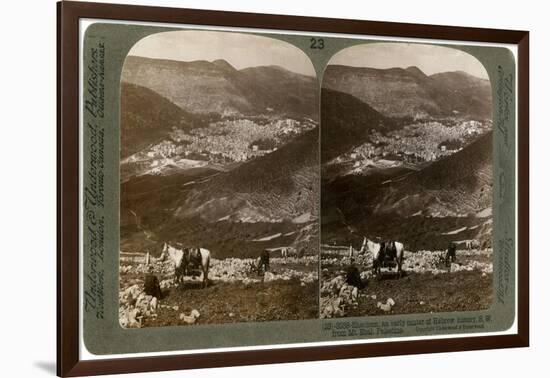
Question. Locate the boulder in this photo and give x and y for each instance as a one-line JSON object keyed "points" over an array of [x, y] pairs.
{"points": [[195, 313], [133, 318], [191, 318], [331, 308], [133, 291], [153, 304], [384, 307], [188, 319]]}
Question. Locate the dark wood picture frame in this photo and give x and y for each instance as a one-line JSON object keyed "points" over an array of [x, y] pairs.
{"points": [[68, 217]]}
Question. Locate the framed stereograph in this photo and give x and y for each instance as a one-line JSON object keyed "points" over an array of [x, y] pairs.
{"points": [[242, 188]]}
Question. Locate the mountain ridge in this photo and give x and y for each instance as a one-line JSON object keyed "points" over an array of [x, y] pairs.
{"points": [[217, 87], [412, 92]]}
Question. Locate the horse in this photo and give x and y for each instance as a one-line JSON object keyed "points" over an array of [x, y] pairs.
{"points": [[374, 248], [284, 253], [288, 252], [391, 250], [472, 244], [184, 257], [395, 251]]}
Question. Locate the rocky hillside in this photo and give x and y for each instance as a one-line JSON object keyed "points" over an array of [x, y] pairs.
{"points": [[217, 87], [429, 285], [282, 185], [398, 92], [267, 202], [425, 207], [458, 185]]}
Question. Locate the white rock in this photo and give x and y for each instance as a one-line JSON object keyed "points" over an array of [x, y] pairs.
{"points": [[153, 304], [188, 319], [384, 307], [133, 318]]}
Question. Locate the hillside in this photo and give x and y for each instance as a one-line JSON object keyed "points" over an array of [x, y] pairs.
{"points": [[267, 202], [458, 185], [282, 185], [397, 92], [147, 118], [448, 200], [347, 123], [275, 88], [461, 94], [216, 87]]}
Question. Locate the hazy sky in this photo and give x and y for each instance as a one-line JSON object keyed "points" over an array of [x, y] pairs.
{"points": [[429, 58], [240, 50]]}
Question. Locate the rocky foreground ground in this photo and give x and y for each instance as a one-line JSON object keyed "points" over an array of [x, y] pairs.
{"points": [[427, 285], [289, 290]]}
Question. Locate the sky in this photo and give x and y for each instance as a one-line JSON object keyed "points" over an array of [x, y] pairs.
{"points": [[430, 59], [239, 49]]}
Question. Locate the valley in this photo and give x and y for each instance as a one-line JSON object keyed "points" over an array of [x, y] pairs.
{"points": [[223, 159], [406, 158]]}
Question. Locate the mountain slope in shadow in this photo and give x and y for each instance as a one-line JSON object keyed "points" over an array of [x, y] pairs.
{"points": [[347, 122], [147, 118]]}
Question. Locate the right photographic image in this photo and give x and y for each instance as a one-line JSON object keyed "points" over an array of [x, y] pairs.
{"points": [[406, 181]]}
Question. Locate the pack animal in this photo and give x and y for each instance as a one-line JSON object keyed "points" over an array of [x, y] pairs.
{"points": [[472, 244], [185, 258], [287, 252], [391, 251]]}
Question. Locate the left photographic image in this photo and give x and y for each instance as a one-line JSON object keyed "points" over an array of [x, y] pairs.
{"points": [[219, 181]]}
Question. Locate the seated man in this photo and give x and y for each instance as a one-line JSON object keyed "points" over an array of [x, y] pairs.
{"points": [[353, 277]]}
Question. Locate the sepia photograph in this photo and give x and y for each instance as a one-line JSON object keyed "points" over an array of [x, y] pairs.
{"points": [[407, 181], [243, 188], [219, 181]]}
